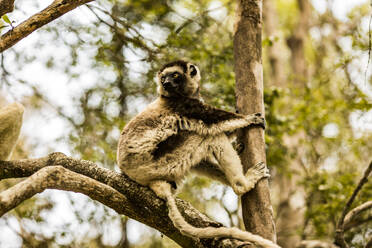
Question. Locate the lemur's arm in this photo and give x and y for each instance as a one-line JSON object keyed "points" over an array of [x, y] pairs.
{"points": [[144, 134], [208, 120]]}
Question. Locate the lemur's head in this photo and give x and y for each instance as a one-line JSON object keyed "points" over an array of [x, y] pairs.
{"points": [[179, 78]]}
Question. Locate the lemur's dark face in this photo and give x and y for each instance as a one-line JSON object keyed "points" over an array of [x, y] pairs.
{"points": [[179, 78], [173, 82]]}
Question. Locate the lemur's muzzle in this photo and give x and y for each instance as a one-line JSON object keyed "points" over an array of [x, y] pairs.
{"points": [[169, 83]]}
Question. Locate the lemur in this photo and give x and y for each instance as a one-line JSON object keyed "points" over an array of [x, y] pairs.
{"points": [[178, 133]]}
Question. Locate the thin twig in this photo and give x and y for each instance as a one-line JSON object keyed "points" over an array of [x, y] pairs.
{"points": [[369, 45]]}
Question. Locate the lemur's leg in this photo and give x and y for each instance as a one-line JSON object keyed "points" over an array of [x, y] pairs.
{"points": [[173, 164], [211, 169], [230, 164]]}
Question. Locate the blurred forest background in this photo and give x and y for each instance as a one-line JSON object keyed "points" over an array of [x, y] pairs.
{"points": [[83, 76]]}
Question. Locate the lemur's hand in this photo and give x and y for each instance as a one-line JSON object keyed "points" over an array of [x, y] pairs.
{"points": [[257, 119], [238, 147]]}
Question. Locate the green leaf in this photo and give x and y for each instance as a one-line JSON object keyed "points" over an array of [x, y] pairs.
{"points": [[6, 19]]}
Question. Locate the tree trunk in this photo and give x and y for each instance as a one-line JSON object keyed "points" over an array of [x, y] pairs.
{"points": [[256, 205], [296, 42], [275, 54], [289, 218]]}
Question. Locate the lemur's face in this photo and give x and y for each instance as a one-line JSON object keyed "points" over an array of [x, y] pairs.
{"points": [[179, 78]]}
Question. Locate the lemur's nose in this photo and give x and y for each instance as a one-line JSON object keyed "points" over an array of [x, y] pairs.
{"points": [[167, 84]]}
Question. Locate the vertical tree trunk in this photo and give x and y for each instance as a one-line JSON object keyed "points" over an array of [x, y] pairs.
{"points": [[296, 42], [256, 205], [289, 218], [275, 53]]}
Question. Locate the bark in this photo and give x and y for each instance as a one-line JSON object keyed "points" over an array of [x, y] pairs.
{"points": [[274, 51], [6, 6], [296, 42], [50, 13], [290, 219], [257, 209], [115, 190]]}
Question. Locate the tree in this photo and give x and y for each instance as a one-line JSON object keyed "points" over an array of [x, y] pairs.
{"points": [[257, 209]]}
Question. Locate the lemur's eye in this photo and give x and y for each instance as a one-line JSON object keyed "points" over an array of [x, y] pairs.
{"points": [[175, 75], [162, 79]]}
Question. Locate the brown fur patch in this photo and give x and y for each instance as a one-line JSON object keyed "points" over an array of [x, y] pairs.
{"points": [[169, 145], [195, 109]]}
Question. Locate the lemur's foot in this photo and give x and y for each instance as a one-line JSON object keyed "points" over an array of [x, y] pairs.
{"points": [[161, 188], [241, 184], [257, 119], [253, 175], [256, 172]]}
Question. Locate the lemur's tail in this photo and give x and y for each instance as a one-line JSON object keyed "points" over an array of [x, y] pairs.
{"points": [[207, 232]]}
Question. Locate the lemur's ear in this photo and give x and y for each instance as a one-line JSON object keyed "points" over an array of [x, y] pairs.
{"points": [[192, 70]]}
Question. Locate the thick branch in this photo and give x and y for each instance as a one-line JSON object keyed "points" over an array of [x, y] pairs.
{"points": [[339, 236], [57, 177], [134, 200], [50, 13], [6, 6]]}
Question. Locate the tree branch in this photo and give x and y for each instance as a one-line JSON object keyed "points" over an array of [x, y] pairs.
{"points": [[339, 235], [357, 222], [57, 177], [355, 212], [50, 13], [115, 190]]}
